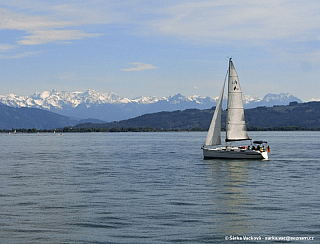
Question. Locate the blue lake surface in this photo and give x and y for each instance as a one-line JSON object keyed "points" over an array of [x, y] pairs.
{"points": [[155, 188]]}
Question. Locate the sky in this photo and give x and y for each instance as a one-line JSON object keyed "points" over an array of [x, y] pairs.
{"points": [[160, 48]]}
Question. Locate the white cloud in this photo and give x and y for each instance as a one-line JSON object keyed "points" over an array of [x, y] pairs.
{"points": [[226, 21], [201, 20], [44, 36], [138, 66], [315, 99], [19, 55], [6, 47], [11, 20], [40, 29]]}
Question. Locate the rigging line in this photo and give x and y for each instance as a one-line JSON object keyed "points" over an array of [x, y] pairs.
{"points": [[226, 75]]}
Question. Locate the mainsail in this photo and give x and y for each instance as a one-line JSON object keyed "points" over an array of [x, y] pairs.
{"points": [[214, 132], [236, 125]]}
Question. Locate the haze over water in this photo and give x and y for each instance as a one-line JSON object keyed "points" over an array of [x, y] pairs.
{"points": [[154, 188]]}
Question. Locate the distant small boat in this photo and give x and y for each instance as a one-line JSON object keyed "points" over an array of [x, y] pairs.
{"points": [[235, 126]]}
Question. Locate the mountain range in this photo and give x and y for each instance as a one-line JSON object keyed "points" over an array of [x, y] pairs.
{"points": [[108, 107]]}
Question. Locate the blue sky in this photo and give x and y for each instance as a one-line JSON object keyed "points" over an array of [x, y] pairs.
{"points": [[160, 48]]}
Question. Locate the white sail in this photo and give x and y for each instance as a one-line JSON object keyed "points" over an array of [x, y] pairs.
{"points": [[236, 125], [214, 132]]}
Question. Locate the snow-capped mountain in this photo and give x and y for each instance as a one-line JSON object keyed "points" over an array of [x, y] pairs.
{"points": [[111, 107], [61, 99]]}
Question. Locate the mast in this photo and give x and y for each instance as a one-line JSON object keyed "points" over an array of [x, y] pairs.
{"points": [[236, 126]]}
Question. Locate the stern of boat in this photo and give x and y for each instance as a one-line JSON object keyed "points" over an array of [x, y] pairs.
{"points": [[265, 155]]}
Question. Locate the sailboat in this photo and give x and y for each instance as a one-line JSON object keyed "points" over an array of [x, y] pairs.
{"points": [[235, 126]]}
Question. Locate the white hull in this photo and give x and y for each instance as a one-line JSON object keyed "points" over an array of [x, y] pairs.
{"points": [[233, 153]]}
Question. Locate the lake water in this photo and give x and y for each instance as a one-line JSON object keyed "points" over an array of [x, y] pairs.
{"points": [[155, 188]]}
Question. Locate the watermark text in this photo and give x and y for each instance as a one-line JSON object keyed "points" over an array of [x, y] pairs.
{"points": [[268, 238]]}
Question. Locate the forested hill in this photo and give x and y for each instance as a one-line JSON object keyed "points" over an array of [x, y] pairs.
{"points": [[291, 117], [31, 118]]}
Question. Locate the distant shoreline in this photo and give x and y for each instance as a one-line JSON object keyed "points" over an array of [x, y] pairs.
{"points": [[146, 129]]}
